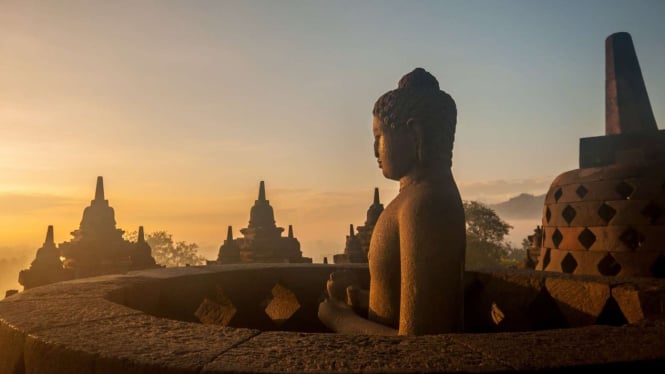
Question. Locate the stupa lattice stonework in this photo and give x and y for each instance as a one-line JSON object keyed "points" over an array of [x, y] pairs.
{"points": [[608, 216]]}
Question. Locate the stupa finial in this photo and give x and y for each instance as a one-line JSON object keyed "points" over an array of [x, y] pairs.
{"points": [[49, 241], [627, 106], [262, 191], [99, 190], [141, 236]]}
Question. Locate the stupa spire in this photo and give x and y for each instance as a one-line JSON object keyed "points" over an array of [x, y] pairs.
{"points": [[229, 233], [99, 190], [49, 241], [290, 232], [351, 234], [262, 191], [376, 196], [627, 106], [141, 235]]}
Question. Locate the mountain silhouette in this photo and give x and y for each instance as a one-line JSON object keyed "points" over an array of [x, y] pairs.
{"points": [[522, 206]]}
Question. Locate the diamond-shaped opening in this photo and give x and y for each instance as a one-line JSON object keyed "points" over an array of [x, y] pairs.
{"points": [[557, 194], [632, 238], [658, 267], [606, 212], [581, 191], [624, 190], [546, 258], [652, 211], [586, 238], [568, 214], [283, 304], [557, 237], [548, 214], [611, 314], [609, 266], [568, 264], [218, 310]]}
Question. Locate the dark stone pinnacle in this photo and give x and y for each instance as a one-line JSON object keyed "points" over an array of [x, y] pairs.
{"points": [[627, 106]]}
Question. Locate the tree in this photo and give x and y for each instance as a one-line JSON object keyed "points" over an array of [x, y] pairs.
{"points": [[169, 253], [485, 233]]}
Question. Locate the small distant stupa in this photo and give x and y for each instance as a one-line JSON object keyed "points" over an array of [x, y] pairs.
{"points": [[47, 267], [357, 245], [262, 240], [141, 255], [229, 252], [353, 252]]}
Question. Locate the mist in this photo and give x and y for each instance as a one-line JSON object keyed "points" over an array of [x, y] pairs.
{"points": [[12, 261]]}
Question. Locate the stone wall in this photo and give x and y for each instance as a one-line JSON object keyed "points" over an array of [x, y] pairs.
{"points": [[262, 318]]}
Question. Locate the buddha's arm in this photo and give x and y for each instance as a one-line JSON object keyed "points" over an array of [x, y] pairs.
{"points": [[340, 318]]}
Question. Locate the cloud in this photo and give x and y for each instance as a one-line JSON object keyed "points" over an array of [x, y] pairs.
{"points": [[16, 203]]}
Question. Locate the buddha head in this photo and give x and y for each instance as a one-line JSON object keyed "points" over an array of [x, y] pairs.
{"points": [[414, 126]]}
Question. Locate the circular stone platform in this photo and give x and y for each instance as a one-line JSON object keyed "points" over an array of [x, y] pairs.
{"points": [[177, 321]]}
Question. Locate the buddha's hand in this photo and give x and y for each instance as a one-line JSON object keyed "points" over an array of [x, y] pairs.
{"points": [[337, 285]]}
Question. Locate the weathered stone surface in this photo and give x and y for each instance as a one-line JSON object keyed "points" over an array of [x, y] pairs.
{"points": [[622, 148], [334, 353], [637, 303], [566, 349], [91, 334], [11, 348], [129, 344], [35, 315], [581, 303], [508, 293], [80, 288]]}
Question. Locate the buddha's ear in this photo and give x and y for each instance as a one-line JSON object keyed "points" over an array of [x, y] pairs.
{"points": [[416, 127]]}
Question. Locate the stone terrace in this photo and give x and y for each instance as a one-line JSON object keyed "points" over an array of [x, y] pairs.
{"points": [[150, 321]]}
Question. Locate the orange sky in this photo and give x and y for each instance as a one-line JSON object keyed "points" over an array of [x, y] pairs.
{"points": [[184, 107]]}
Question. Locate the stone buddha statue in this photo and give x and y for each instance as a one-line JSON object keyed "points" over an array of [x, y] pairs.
{"points": [[417, 250]]}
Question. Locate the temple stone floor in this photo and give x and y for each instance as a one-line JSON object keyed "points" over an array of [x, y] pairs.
{"points": [[176, 320]]}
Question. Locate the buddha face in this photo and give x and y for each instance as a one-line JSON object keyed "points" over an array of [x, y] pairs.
{"points": [[394, 148]]}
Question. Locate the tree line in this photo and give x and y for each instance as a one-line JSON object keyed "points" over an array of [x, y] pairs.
{"points": [[485, 247]]}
